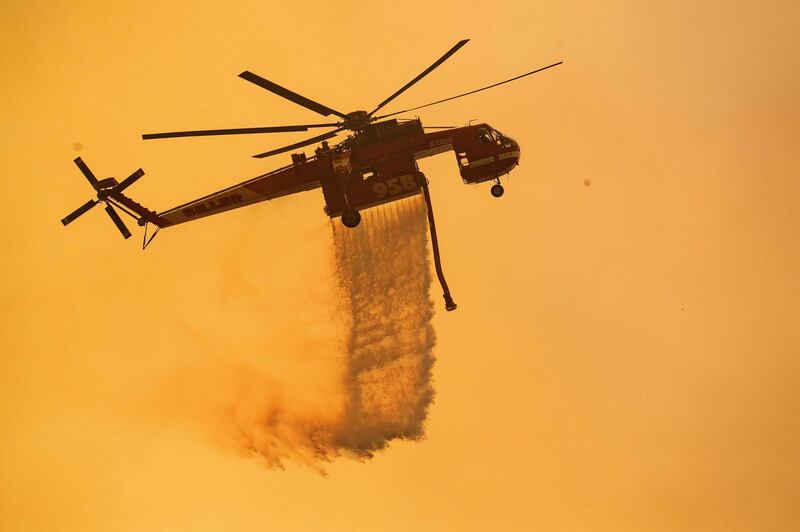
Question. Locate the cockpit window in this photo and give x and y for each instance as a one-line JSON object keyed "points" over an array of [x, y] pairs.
{"points": [[484, 137], [502, 140]]}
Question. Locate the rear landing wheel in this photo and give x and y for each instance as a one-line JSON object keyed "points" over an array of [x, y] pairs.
{"points": [[351, 218], [497, 190]]}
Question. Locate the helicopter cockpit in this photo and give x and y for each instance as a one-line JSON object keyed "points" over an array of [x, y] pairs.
{"points": [[485, 154], [489, 135]]}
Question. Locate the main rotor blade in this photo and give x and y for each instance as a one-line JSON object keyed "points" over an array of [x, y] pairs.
{"points": [[290, 95], [470, 92], [425, 72], [86, 172], [118, 221], [234, 131], [77, 212], [312, 140], [131, 179]]}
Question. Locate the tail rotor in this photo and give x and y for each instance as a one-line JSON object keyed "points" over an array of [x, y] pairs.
{"points": [[106, 189]]}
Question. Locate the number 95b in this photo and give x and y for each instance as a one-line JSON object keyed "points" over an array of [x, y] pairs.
{"points": [[394, 185]]}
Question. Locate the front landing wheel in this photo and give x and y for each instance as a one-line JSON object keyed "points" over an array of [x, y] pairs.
{"points": [[351, 218], [497, 190]]}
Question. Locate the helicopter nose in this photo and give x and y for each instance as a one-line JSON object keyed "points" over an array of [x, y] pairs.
{"points": [[515, 151]]}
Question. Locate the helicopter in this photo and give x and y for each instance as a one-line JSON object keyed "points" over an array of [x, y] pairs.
{"points": [[375, 164]]}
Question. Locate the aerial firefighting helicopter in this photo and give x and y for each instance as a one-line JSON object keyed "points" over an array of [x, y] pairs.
{"points": [[375, 164]]}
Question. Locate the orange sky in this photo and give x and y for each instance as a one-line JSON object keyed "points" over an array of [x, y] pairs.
{"points": [[624, 355]]}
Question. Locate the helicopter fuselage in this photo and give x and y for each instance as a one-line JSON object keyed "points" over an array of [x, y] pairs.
{"points": [[375, 166]]}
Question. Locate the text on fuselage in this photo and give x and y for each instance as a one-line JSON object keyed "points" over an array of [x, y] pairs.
{"points": [[211, 205]]}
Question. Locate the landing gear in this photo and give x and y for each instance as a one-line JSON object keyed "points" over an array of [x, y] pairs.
{"points": [[497, 190], [351, 218]]}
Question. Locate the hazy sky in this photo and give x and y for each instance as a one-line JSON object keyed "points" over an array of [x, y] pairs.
{"points": [[625, 352]]}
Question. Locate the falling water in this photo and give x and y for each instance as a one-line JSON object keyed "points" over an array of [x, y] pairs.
{"points": [[384, 274]]}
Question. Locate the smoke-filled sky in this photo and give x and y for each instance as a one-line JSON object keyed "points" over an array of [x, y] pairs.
{"points": [[625, 351]]}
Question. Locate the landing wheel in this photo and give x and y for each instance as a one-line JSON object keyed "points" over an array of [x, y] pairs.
{"points": [[497, 190], [351, 218]]}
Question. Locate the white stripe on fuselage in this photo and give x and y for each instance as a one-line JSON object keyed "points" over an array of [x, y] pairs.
{"points": [[494, 158], [436, 150]]}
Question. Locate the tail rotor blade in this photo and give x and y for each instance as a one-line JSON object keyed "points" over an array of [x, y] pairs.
{"points": [[131, 179], [117, 221], [86, 172], [79, 211]]}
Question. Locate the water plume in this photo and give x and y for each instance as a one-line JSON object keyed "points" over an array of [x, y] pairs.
{"points": [[384, 272], [373, 372]]}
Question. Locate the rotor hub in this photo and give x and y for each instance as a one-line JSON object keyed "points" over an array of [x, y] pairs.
{"points": [[107, 183], [356, 120]]}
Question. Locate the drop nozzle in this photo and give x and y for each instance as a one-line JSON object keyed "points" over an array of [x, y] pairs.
{"points": [[449, 304]]}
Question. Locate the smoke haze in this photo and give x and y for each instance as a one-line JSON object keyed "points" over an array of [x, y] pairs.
{"points": [[627, 351]]}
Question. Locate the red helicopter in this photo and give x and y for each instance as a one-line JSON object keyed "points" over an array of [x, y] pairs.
{"points": [[375, 164]]}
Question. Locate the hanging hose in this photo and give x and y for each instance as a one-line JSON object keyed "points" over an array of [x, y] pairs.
{"points": [[449, 304]]}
